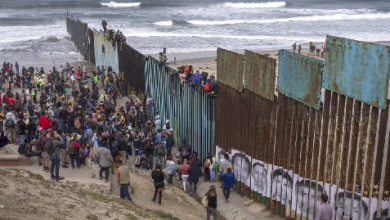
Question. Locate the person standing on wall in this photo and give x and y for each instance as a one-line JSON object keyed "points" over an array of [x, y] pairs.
{"points": [[294, 46], [299, 48]]}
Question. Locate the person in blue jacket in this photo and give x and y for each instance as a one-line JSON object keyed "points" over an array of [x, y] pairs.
{"points": [[228, 180]]}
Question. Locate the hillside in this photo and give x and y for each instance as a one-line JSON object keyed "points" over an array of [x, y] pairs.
{"points": [[26, 195]]}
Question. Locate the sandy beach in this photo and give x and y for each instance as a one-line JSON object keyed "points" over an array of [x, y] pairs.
{"points": [[208, 63]]}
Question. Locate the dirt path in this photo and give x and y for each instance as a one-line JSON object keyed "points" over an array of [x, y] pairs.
{"points": [[26, 195]]}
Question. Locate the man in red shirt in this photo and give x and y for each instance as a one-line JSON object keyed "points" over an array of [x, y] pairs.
{"points": [[44, 121]]}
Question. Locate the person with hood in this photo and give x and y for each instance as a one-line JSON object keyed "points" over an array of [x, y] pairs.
{"points": [[158, 178], [184, 174], [184, 150], [194, 173]]}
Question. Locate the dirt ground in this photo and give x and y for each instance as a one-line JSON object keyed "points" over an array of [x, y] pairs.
{"points": [[26, 195]]}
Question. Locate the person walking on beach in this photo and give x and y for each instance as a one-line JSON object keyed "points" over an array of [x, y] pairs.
{"points": [[159, 186], [123, 179], [212, 202], [299, 48], [294, 46]]}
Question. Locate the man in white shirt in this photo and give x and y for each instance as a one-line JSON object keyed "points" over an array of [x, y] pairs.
{"points": [[73, 78]]}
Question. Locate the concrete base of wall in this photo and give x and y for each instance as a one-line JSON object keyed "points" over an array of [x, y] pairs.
{"points": [[14, 160]]}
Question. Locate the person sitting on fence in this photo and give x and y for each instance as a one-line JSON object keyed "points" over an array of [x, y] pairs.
{"points": [[163, 58]]}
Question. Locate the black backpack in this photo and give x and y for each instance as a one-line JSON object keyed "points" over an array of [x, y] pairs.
{"points": [[50, 149], [22, 149], [114, 151]]}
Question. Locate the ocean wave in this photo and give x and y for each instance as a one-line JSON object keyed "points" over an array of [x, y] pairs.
{"points": [[121, 5], [146, 34], [303, 18], [254, 5], [164, 23]]}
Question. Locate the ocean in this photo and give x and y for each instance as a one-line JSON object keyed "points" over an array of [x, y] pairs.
{"points": [[34, 31]]}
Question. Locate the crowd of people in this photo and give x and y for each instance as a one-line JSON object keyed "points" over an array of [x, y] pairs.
{"points": [[68, 115]]}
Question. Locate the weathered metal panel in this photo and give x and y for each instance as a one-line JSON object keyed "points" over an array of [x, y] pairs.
{"points": [[132, 64], [230, 68], [300, 77], [191, 112], [91, 43], [78, 32], [357, 69], [107, 56], [260, 74]]}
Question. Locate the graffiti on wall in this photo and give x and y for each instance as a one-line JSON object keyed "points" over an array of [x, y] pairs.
{"points": [[301, 195]]}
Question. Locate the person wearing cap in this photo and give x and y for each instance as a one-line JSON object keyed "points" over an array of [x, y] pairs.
{"points": [[171, 169], [158, 122], [123, 179], [228, 179], [29, 151]]}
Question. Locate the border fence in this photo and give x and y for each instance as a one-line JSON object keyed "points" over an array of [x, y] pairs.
{"points": [[295, 131], [190, 112], [289, 149]]}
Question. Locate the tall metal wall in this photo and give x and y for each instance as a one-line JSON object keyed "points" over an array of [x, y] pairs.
{"points": [[190, 112], [79, 34], [286, 153], [132, 64], [91, 42]]}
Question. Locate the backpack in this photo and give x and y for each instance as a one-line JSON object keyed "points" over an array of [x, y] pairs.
{"points": [[17, 129], [161, 151], [72, 149], [215, 165], [9, 123], [56, 113], [206, 163], [128, 107], [137, 160], [207, 87], [184, 152], [38, 144], [50, 149], [144, 164], [22, 149], [114, 151]]}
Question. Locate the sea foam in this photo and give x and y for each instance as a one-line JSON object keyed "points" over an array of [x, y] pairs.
{"points": [[254, 5], [121, 5], [335, 17]]}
